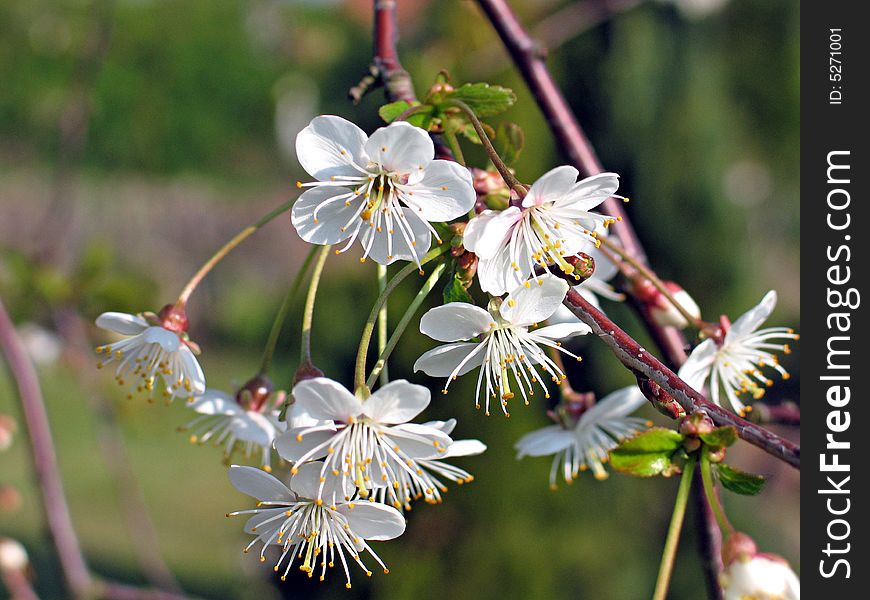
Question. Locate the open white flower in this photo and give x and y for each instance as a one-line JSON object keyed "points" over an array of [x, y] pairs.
{"points": [[735, 364], [313, 521], [367, 444], [554, 222], [586, 444], [148, 352], [507, 349], [427, 485], [383, 190], [224, 422]]}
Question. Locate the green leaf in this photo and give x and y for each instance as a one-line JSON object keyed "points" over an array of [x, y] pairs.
{"points": [[721, 437], [648, 454], [484, 99], [740, 482], [421, 118], [389, 112], [509, 142], [456, 292]]}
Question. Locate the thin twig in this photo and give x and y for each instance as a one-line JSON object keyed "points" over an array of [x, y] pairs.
{"points": [[57, 515], [644, 364]]}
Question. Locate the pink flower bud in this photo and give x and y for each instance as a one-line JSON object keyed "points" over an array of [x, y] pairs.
{"points": [[750, 574]]}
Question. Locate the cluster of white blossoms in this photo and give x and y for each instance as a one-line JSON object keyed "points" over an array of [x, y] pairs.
{"points": [[734, 363], [354, 467]]}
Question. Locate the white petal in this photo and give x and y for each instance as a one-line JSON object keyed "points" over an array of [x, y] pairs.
{"points": [[299, 417], [616, 404], [561, 331], [455, 321], [258, 525], [192, 371], [259, 484], [445, 192], [696, 369], [441, 361], [590, 192], [401, 148], [551, 186], [255, 428], [158, 335], [489, 232], [533, 304], [465, 448], [326, 399], [753, 318], [496, 275], [215, 402], [379, 246], [329, 146], [332, 218], [542, 442], [445, 426], [373, 521], [397, 402], [306, 484], [418, 441], [122, 323], [296, 443]]}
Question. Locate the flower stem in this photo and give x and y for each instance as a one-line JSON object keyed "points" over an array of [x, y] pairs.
{"points": [[712, 496], [455, 148], [381, 365], [277, 325], [382, 323], [647, 274], [308, 312], [509, 178], [227, 248], [672, 541], [369, 327]]}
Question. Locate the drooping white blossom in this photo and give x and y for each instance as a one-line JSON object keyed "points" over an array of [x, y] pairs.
{"points": [[312, 521], [148, 353], [508, 350], [384, 190], [587, 443], [735, 364], [554, 222], [760, 578], [368, 444]]}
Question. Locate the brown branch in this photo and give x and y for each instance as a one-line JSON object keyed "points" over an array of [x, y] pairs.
{"points": [[57, 515], [643, 364], [395, 79]]}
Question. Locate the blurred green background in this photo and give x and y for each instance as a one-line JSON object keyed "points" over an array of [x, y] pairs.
{"points": [[136, 136]]}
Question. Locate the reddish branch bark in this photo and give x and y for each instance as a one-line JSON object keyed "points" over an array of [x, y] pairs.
{"points": [[642, 363]]}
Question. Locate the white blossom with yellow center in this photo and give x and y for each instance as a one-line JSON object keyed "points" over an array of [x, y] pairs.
{"points": [[509, 354], [149, 353], [383, 190], [313, 522], [554, 222], [736, 364]]}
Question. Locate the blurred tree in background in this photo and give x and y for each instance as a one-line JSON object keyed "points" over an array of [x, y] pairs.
{"points": [[137, 135]]}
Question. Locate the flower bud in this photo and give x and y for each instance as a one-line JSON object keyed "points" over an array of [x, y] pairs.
{"points": [[255, 392], [661, 309], [697, 423], [174, 318], [306, 371], [8, 427], [749, 574], [13, 556]]}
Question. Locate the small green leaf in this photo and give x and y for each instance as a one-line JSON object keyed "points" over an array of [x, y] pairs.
{"points": [[648, 454], [509, 142], [389, 112], [484, 99], [721, 437], [421, 118], [454, 291], [740, 482]]}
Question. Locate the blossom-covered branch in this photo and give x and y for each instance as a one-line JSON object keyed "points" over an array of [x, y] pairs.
{"points": [[645, 365]]}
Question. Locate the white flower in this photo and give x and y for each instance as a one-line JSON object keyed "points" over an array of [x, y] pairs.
{"points": [[427, 485], [587, 444], [735, 364], [224, 422], [367, 444], [760, 578], [554, 222], [149, 351], [313, 521], [384, 190], [507, 348]]}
